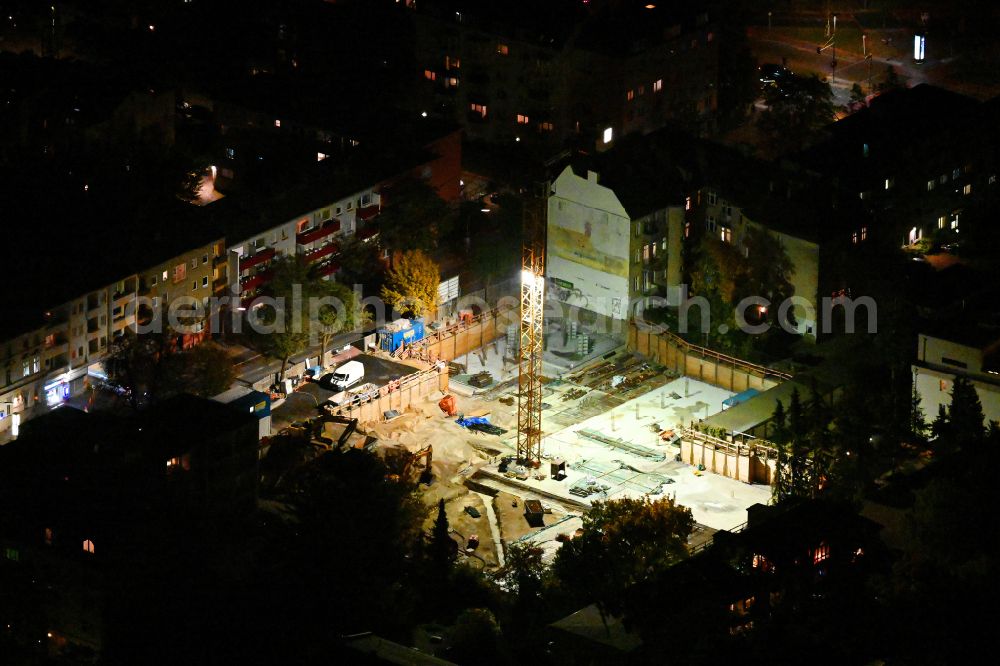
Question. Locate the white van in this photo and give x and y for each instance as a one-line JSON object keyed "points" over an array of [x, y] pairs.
{"points": [[348, 375]]}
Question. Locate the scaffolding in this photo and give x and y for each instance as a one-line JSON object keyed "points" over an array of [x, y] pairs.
{"points": [[531, 342]]}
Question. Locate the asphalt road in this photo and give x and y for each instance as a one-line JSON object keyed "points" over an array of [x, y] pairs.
{"points": [[303, 403]]}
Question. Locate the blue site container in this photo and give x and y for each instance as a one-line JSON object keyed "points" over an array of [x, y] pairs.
{"points": [[390, 340]]}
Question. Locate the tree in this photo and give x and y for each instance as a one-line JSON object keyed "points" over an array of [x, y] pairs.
{"points": [[337, 311], [210, 369], [441, 548], [918, 423], [412, 216], [133, 364], [768, 271], [795, 110], [965, 415], [522, 572], [412, 283], [351, 543], [892, 80], [475, 638], [623, 542], [858, 99], [306, 307], [360, 263]]}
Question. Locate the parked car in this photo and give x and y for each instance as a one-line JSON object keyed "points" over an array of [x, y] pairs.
{"points": [[472, 511], [348, 375], [771, 73]]}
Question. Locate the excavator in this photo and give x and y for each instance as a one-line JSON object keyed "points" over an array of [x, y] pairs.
{"points": [[410, 460]]}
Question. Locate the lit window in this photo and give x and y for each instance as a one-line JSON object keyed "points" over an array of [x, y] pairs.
{"points": [[277, 123], [992, 179], [478, 108], [630, 95], [687, 230], [503, 49], [854, 238], [88, 546], [452, 63], [864, 233], [641, 90], [451, 82], [321, 156], [821, 553], [230, 153], [726, 235], [430, 75], [687, 203], [943, 179], [164, 276], [865, 150], [888, 183], [967, 189], [608, 134], [522, 119], [954, 223], [941, 221], [761, 562], [955, 173], [712, 198], [545, 126], [48, 536], [657, 85], [930, 185]]}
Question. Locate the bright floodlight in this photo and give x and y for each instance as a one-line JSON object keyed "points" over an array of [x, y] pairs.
{"points": [[608, 134], [527, 277]]}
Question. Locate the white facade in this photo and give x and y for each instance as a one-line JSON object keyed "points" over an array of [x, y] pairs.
{"points": [[587, 258], [940, 361]]}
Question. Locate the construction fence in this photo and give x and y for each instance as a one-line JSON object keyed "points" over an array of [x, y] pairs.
{"points": [[707, 365], [461, 337], [396, 396], [751, 462]]}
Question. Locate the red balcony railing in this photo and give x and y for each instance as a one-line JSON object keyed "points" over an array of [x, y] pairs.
{"points": [[306, 237], [254, 281], [257, 259], [324, 251]]}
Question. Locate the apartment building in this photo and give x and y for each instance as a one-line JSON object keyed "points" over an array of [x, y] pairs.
{"points": [[919, 159], [611, 243], [962, 349], [334, 202], [70, 300], [545, 73]]}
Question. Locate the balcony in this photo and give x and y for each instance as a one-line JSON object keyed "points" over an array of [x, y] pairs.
{"points": [[252, 282], [366, 213], [220, 260], [257, 259], [307, 237], [324, 251]]}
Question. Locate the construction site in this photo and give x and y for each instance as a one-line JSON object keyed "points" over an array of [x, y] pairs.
{"points": [[521, 425]]}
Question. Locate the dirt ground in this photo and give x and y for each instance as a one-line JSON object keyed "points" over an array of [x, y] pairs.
{"points": [[463, 525], [513, 524]]}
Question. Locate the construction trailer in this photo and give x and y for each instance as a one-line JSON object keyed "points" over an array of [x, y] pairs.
{"points": [[400, 332]]}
